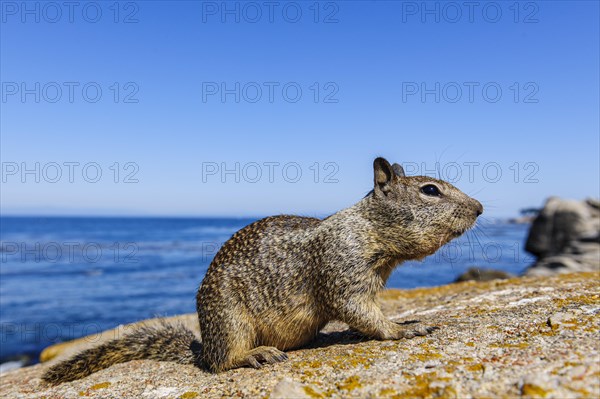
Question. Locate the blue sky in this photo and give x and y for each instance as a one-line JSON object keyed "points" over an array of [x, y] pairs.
{"points": [[505, 97]]}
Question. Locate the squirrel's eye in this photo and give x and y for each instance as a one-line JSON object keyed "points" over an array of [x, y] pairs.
{"points": [[430, 189]]}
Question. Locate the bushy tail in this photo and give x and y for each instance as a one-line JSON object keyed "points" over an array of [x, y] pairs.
{"points": [[166, 342]]}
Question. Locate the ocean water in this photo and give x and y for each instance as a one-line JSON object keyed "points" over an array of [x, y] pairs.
{"points": [[66, 277]]}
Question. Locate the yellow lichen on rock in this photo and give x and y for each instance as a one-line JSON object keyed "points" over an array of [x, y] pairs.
{"points": [[102, 385], [351, 383], [533, 391], [310, 391], [189, 395]]}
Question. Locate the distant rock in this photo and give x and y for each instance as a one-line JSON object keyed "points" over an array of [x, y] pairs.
{"points": [[523, 337], [565, 237], [480, 274], [521, 220], [527, 216]]}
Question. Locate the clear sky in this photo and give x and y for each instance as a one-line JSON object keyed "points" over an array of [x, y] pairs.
{"points": [[196, 108]]}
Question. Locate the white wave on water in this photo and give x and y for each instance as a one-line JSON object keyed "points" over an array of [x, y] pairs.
{"points": [[12, 365]]}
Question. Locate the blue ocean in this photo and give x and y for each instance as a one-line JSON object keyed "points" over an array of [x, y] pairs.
{"points": [[66, 277]]}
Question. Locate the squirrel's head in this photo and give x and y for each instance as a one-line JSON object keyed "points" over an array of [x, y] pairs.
{"points": [[418, 214]]}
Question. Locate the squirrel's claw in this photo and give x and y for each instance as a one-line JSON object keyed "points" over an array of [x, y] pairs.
{"points": [[264, 354]]}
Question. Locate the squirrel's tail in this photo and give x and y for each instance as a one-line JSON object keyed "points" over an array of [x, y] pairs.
{"points": [[166, 342]]}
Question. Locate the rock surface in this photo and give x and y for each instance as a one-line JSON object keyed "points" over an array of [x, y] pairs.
{"points": [[565, 237], [524, 337], [483, 274]]}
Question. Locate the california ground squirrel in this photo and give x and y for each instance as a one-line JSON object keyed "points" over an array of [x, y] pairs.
{"points": [[275, 283]]}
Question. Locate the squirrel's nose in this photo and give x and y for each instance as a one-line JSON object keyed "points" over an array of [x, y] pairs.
{"points": [[478, 208]]}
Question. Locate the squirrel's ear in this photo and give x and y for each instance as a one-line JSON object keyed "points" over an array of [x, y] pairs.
{"points": [[398, 170], [384, 174]]}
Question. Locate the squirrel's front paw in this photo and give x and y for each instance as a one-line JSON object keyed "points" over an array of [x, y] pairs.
{"points": [[416, 331], [264, 354]]}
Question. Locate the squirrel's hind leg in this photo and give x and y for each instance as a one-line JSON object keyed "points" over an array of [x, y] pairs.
{"points": [[233, 343]]}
